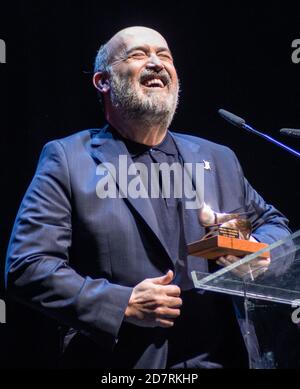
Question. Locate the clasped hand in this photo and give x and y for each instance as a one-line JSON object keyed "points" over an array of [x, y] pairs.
{"points": [[154, 302]]}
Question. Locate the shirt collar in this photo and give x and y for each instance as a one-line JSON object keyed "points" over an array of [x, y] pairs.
{"points": [[166, 146]]}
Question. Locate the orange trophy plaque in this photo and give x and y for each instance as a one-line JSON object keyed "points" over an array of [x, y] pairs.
{"points": [[227, 234]]}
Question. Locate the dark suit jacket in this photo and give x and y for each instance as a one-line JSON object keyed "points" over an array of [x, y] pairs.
{"points": [[76, 258]]}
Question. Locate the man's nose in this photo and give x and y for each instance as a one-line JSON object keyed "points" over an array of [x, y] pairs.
{"points": [[154, 63]]}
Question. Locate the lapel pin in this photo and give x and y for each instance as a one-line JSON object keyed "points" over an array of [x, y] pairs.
{"points": [[206, 165]]}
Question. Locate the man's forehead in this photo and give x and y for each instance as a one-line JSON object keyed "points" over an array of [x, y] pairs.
{"points": [[136, 37]]}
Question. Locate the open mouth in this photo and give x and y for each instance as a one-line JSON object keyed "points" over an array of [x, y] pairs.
{"points": [[154, 82]]}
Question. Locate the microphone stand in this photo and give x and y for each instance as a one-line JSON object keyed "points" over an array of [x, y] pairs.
{"points": [[272, 140], [241, 123]]}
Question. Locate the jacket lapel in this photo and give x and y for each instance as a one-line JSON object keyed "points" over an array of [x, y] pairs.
{"points": [[106, 149], [191, 153]]}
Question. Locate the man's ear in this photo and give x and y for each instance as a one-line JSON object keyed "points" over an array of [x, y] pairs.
{"points": [[101, 82]]}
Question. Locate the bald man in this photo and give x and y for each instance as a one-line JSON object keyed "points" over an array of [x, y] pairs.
{"points": [[112, 268]]}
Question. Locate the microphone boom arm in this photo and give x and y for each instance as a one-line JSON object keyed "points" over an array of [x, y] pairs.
{"points": [[272, 140], [241, 123]]}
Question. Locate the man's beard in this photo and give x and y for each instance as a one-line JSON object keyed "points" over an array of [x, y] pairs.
{"points": [[149, 109]]}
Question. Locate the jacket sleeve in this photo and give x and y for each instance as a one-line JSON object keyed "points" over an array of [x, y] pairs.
{"points": [[38, 272], [269, 225]]}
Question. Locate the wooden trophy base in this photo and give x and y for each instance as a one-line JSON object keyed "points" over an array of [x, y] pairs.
{"points": [[218, 246]]}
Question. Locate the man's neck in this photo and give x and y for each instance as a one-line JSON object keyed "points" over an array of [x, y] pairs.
{"points": [[145, 133]]}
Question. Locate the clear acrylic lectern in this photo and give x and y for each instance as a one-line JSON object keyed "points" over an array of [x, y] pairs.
{"points": [[271, 299]]}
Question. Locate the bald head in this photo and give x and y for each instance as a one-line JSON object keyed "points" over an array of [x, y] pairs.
{"points": [[136, 30], [115, 49], [135, 35]]}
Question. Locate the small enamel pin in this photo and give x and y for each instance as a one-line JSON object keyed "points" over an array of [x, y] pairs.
{"points": [[206, 165]]}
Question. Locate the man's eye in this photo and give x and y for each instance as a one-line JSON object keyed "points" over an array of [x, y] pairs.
{"points": [[137, 54], [165, 56]]}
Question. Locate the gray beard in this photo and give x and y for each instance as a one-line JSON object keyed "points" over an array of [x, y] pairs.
{"points": [[147, 109]]}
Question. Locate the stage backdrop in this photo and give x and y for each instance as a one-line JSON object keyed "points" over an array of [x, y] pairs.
{"points": [[231, 55]]}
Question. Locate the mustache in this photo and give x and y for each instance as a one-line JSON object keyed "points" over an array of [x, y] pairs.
{"points": [[163, 75]]}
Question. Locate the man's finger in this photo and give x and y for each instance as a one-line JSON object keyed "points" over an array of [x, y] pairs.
{"points": [[164, 323], [223, 261], [165, 301], [173, 302], [163, 280], [260, 263], [232, 258], [167, 313], [172, 290]]}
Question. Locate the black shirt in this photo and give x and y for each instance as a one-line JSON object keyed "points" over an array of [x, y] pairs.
{"points": [[168, 209]]}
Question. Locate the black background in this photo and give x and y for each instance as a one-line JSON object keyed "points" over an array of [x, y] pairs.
{"points": [[235, 55]]}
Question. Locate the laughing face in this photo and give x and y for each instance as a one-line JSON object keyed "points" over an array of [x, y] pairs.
{"points": [[143, 80]]}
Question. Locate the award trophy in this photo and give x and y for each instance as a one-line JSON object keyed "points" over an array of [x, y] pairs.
{"points": [[226, 234]]}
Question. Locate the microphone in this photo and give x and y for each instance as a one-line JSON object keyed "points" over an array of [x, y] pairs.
{"points": [[231, 118], [241, 123], [290, 132]]}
